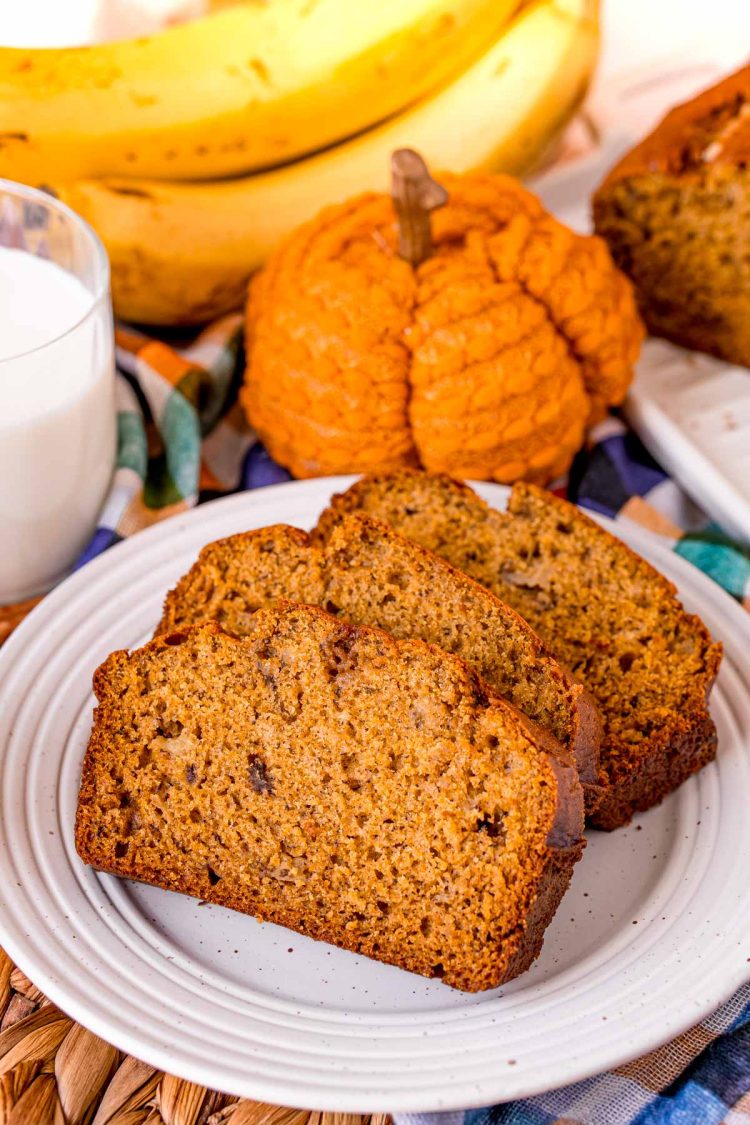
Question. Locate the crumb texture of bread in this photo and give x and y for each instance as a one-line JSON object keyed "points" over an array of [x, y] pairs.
{"points": [[258, 773], [606, 613], [675, 212], [368, 574]]}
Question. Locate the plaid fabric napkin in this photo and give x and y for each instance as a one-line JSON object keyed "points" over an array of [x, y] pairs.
{"points": [[182, 437], [184, 440]]}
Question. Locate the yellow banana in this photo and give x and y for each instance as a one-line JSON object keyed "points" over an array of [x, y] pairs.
{"points": [[182, 253], [247, 87]]}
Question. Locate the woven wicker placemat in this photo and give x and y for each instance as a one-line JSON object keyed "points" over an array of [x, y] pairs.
{"points": [[55, 1072]]}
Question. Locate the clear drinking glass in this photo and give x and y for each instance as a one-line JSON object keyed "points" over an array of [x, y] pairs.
{"points": [[57, 409]]}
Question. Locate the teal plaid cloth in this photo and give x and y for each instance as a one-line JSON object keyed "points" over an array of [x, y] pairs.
{"points": [[183, 440]]}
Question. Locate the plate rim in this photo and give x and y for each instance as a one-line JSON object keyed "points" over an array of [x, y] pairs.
{"points": [[71, 1001]]}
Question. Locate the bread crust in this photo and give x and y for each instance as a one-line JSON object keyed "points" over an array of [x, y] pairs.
{"points": [[680, 753]]}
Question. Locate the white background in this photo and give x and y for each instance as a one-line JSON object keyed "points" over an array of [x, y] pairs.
{"points": [[634, 30]]}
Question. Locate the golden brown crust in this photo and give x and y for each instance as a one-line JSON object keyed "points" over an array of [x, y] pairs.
{"points": [[556, 879], [143, 769], [293, 571], [712, 128], [601, 608], [589, 732], [680, 754]]}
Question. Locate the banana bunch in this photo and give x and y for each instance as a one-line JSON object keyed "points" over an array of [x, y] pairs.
{"points": [[249, 86], [183, 247]]}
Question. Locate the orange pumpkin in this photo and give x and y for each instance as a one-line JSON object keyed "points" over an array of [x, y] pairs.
{"points": [[487, 360]]}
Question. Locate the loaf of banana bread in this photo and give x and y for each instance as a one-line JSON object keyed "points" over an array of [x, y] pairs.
{"points": [[259, 773], [604, 611], [675, 212]]}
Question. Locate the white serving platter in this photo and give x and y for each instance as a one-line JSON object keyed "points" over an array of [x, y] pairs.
{"points": [[653, 934]]}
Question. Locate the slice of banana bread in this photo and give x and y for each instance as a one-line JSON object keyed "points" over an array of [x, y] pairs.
{"points": [[259, 773], [370, 575], [604, 611], [675, 212]]}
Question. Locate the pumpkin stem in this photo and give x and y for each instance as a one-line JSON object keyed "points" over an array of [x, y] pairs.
{"points": [[415, 194]]}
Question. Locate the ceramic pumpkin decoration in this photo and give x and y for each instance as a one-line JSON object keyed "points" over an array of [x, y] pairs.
{"points": [[456, 326]]}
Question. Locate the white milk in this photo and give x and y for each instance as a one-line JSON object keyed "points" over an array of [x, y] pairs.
{"points": [[57, 420]]}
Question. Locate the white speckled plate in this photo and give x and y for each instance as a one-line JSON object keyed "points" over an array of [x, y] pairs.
{"points": [[654, 932]]}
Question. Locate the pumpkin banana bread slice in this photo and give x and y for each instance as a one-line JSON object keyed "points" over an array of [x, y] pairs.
{"points": [[604, 611], [370, 575], [258, 773]]}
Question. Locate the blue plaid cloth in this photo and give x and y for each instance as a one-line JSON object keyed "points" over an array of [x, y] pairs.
{"points": [[700, 1078], [183, 440]]}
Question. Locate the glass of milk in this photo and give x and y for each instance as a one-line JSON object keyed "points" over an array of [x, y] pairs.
{"points": [[57, 410]]}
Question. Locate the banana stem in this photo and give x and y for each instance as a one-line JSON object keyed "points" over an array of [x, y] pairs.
{"points": [[415, 194]]}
